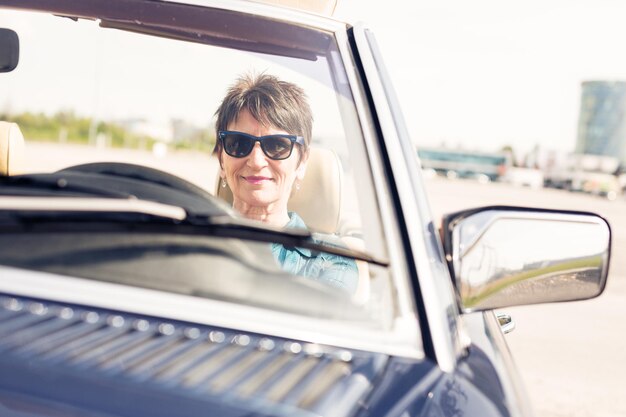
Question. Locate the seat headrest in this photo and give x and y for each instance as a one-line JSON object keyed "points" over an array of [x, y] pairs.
{"points": [[11, 149], [318, 201]]}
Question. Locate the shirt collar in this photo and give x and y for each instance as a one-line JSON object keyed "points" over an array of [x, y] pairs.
{"points": [[295, 221]]}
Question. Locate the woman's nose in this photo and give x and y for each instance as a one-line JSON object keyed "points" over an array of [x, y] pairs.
{"points": [[257, 157]]}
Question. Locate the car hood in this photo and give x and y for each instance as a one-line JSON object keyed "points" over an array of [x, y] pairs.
{"points": [[62, 359]]}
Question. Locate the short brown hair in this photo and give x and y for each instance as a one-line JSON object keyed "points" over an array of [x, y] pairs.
{"points": [[272, 102]]}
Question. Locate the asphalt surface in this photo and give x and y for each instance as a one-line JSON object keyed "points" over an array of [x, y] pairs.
{"points": [[572, 356]]}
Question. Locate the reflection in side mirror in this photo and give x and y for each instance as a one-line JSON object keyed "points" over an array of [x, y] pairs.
{"points": [[507, 256], [9, 50]]}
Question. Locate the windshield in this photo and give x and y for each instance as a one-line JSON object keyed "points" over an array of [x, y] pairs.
{"points": [[215, 108]]}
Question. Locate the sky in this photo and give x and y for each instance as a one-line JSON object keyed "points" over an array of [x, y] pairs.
{"points": [[485, 74], [479, 75]]}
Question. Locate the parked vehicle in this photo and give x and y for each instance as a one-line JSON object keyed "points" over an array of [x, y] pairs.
{"points": [[521, 176], [592, 174], [130, 287], [459, 163]]}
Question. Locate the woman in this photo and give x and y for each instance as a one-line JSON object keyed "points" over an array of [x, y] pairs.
{"points": [[264, 127]]}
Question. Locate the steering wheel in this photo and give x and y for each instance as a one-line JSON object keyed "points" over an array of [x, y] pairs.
{"points": [[140, 172]]}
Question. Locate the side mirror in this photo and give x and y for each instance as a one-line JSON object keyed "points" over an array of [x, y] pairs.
{"points": [[9, 50], [507, 256]]}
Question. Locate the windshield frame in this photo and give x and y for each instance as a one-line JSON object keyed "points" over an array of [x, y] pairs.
{"points": [[403, 338]]}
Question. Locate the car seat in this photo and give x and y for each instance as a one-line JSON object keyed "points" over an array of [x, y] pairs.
{"points": [[12, 150]]}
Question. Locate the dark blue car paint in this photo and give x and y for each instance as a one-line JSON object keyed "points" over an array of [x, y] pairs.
{"points": [[411, 388], [111, 363], [128, 365]]}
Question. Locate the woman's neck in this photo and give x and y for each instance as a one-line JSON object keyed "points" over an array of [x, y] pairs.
{"points": [[270, 215]]}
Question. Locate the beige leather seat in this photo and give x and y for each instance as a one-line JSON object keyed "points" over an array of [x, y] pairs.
{"points": [[12, 150], [318, 201]]}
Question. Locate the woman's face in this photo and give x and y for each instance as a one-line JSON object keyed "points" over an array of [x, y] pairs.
{"points": [[255, 179]]}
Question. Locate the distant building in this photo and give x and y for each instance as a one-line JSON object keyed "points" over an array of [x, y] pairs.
{"points": [[602, 119]]}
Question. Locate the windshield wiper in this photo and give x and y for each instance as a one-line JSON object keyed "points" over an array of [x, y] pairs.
{"points": [[228, 226], [42, 215]]}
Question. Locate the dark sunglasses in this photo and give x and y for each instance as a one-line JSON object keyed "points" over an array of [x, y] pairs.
{"points": [[277, 147]]}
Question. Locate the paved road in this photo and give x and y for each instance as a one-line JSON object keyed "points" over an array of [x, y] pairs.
{"points": [[572, 356], [193, 166]]}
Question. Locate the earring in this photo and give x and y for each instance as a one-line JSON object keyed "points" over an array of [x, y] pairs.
{"points": [[223, 183], [297, 186]]}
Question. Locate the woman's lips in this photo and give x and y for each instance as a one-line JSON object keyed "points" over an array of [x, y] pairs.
{"points": [[255, 179]]}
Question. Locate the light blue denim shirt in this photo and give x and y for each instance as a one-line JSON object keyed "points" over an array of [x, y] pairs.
{"points": [[335, 270]]}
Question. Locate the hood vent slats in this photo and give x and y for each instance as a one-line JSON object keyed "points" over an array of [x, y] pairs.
{"points": [[201, 361]]}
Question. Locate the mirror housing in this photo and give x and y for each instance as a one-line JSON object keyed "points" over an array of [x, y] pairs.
{"points": [[9, 50], [506, 256]]}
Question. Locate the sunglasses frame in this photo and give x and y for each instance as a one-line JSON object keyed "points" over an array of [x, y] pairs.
{"points": [[294, 139]]}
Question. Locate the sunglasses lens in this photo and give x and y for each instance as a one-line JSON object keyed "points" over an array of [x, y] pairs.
{"points": [[277, 147], [237, 145]]}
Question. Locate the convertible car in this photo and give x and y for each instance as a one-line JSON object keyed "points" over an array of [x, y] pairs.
{"points": [[130, 285]]}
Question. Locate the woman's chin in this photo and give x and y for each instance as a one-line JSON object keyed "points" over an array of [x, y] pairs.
{"points": [[259, 199]]}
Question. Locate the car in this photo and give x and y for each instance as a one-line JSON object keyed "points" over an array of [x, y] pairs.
{"points": [[132, 285]]}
